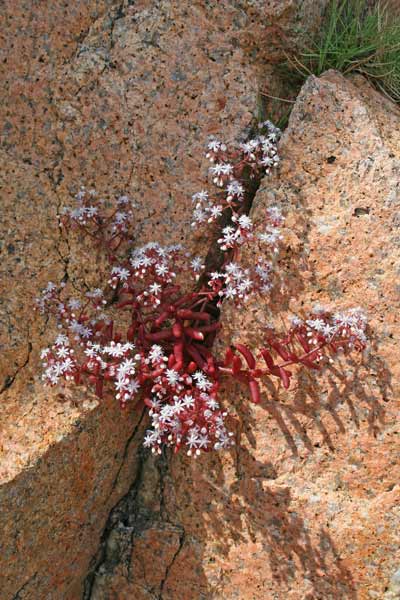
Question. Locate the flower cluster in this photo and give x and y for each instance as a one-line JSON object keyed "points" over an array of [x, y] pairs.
{"points": [[165, 353], [184, 408], [312, 343], [232, 172], [146, 335], [232, 169], [235, 283], [107, 222]]}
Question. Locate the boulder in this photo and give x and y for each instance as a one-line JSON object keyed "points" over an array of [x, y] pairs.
{"points": [[119, 96], [306, 505]]}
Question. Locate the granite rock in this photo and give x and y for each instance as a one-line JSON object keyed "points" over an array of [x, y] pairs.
{"points": [[120, 96], [306, 506]]}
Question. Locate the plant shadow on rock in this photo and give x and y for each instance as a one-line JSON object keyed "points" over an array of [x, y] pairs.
{"points": [[228, 507], [244, 508], [258, 514], [207, 508], [187, 524]]}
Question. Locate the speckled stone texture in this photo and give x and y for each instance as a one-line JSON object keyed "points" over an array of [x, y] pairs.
{"points": [[306, 507], [120, 96]]}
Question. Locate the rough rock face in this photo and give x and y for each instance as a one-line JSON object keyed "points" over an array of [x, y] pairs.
{"points": [[120, 96], [307, 504]]}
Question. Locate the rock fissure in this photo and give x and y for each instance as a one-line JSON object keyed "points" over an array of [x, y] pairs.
{"points": [[117, 518], [126, 521], [17, 595], [124, 511], [119, 14], [11, 378], [170, 565], [125, 454]]}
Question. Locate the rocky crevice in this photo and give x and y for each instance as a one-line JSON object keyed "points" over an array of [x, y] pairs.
{"points": [[170, 565], [131, 517], [17, 595], [11, 378], [125, 454], [117, 525]]}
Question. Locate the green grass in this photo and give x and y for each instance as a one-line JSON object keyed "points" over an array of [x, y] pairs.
{"points": [[357, 36]]}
